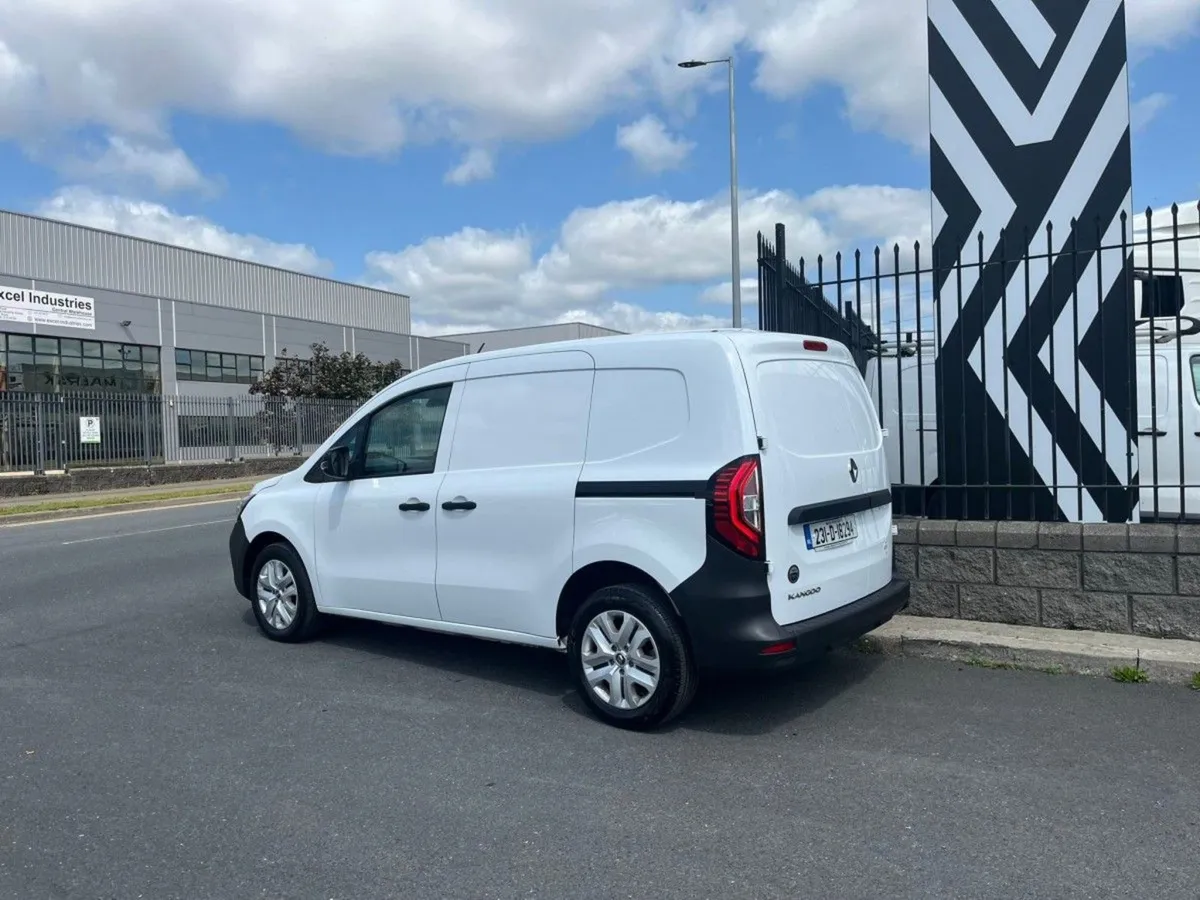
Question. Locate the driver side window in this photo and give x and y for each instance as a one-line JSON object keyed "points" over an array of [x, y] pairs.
{"points": [[403, 437]]}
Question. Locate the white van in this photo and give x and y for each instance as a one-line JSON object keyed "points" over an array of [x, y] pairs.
{"points": [[654, 505]]}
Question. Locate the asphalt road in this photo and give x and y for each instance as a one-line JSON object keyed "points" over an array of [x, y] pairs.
{"points": [[153, 744]]}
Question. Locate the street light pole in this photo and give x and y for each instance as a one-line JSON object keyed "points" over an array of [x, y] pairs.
{"points": [[735, 240], [733, 207]]}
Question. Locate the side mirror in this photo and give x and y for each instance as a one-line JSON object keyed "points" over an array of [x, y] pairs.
{"points": [[336, 463]]}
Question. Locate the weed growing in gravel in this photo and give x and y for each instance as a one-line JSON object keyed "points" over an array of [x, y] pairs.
{"points": [[980, 663], [1130, 675], [1195, 682]]}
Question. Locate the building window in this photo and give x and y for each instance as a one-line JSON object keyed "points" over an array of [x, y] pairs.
{"points": [[303, 368], [59, 365], [207, 365]]}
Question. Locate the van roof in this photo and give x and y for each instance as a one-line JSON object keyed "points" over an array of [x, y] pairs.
{"points": [[743, 338]]}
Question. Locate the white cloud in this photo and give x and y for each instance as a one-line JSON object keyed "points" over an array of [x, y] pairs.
{"points": [[722, 294], [1144, 111], [131, 163], [476, 165], [1161, 23], [651, 146], [357, 77], [354, 77], [875, 51], [477, 279], [156, 222]]}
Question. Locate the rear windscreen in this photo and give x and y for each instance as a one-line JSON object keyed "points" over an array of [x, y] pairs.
{"points": [[814, 408]]}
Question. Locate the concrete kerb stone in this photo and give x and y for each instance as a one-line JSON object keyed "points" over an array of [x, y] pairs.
{"points": [[1048, 649]]}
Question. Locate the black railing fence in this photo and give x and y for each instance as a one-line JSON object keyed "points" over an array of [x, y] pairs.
{"points": [[1050, 375], [790, 302], [54, 432]]}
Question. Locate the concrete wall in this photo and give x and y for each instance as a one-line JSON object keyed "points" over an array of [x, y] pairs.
{"points": [[1142, 579], [169, 324]]}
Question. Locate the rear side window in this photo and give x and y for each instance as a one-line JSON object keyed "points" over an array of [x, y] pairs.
{"points": [[635, 410], [813, 408], [537, 419]]}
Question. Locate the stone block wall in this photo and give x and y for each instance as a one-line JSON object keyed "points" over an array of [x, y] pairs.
{"points": [[1142, 579]]}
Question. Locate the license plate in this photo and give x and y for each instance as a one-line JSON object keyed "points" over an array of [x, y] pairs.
{"points": [[830, 533]]}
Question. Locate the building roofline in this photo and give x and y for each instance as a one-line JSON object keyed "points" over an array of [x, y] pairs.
{"points": [[207, 253], [536, 327]]}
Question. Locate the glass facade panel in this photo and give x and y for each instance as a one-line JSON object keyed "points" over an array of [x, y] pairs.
{"points": [[207, 365], [63, 365]]}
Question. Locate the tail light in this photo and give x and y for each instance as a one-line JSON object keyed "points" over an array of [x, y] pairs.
{"points": [[737, 506]]}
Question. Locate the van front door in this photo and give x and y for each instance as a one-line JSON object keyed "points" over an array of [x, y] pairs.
{"points": [[376, 534]]}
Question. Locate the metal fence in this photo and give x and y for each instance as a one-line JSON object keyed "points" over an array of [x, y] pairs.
{"points": [[1052, 375], [57, 432], [790, 302]]}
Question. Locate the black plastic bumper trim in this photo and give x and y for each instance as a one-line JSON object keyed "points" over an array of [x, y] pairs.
{"points": [[847, 506], [239, 546], [692, 489]]}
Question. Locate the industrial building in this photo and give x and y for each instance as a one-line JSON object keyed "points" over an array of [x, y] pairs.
{"points": [[156, 346], [83, 309]]}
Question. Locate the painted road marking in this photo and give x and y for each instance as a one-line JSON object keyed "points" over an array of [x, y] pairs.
{"points": [[112, 537]]}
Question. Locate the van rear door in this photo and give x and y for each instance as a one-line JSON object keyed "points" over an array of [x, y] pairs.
{"points": [[826, 493]]}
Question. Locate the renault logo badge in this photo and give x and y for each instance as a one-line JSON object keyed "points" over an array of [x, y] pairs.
{"points": [[853, 471]]}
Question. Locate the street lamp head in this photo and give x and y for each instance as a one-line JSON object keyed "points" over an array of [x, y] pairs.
{"points": [[692, 64]]}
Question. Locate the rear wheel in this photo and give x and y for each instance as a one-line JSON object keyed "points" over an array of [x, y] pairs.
{"points": [[283, 599], [630, 659]]}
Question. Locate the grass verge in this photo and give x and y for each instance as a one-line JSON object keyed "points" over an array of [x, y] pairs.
{"points": [[78, 503]]}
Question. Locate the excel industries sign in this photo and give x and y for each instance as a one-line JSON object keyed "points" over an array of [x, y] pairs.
{"points": [[47, 308]]}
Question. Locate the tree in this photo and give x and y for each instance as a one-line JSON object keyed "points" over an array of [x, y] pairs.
{"points": [[327, 376], [285, 422]]}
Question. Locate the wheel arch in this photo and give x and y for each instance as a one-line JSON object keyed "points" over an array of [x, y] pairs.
{"points": [[260, 541], [596, 575]]}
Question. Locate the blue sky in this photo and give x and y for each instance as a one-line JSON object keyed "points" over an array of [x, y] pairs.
{"points": [[592, 173]]}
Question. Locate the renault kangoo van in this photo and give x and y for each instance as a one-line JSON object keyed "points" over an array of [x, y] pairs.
{"points": [[655, 506]]}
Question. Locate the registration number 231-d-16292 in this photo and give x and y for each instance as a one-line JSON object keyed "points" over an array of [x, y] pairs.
{"points": [[830, 533]]}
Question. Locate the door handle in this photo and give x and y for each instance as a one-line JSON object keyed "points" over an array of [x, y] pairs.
{"points": [[459, 503], [1152, 432], [412, 504]]}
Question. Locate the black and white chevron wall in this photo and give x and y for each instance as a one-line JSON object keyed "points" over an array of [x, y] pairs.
{"points": [[1029, 127]]}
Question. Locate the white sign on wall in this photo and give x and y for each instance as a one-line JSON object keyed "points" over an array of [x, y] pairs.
{"points": [[89, 429], [47, 308]]}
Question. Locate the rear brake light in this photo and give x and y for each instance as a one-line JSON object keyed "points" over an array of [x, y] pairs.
{"points": [[737, 506], [815, 345], [777, 649]]}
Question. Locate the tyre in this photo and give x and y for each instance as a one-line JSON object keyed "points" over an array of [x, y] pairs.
{"points": [[629, 658], [283, 599]]}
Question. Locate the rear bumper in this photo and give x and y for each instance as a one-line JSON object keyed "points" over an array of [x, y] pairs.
{"points": [[726, 609], [838, 627], [239, 546]]}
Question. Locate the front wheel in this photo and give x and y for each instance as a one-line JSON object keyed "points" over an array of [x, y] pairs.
{"points": [[630, 659], [283, 599]]}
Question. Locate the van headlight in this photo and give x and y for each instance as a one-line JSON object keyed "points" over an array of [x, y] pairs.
{"points": [[245, 500]]}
